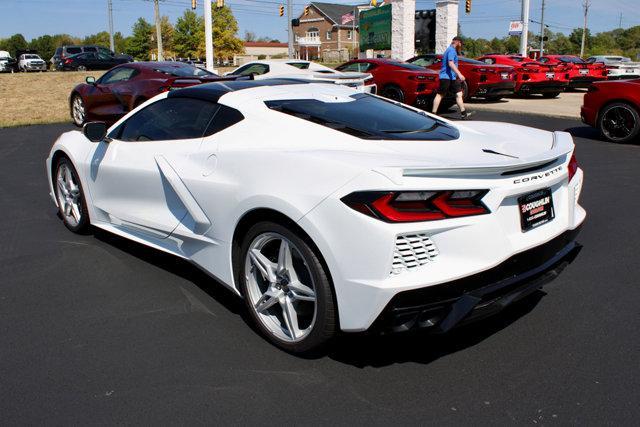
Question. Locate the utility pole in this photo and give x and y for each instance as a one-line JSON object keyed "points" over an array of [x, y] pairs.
{"points": [[208, 34], [525, 28], [620, 23], [587, 5], [542, 31], [290, 28], [110, 10], [156, 7]]}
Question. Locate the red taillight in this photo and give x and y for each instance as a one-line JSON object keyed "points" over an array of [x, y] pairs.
{"points": [[573, 166], [68, 61], [415, 206]]}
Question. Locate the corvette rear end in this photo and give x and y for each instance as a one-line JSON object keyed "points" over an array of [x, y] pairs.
{"points": [[451, 231]]}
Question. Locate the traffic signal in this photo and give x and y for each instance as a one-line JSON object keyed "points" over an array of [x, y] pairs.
{"points": [[281, 10], [194, 4], [306, 10], [467, 7], [219, 3]]}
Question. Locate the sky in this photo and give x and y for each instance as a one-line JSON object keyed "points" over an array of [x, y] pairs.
{"points": [[488, 18]]}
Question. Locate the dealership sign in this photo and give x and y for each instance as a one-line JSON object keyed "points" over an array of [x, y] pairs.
{"points": [[375, 28], [515, 28]]}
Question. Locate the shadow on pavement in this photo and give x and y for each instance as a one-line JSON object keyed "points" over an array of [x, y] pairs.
{"points": [[362, 350], [585, 131]]}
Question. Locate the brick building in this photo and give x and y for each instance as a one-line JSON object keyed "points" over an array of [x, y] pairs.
{"points": [[322, 34]]}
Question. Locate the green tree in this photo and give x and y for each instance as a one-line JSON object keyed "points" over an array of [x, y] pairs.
{"points": [[188, 36], [14, 43], [139, 44], [44, 45], [225, 30]]}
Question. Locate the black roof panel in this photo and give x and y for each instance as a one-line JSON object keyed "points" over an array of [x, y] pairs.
{"points": [[213, 91]]}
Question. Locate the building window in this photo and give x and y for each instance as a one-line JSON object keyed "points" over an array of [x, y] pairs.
{"points": [[313, 33], [349, 34], [328, 35]]}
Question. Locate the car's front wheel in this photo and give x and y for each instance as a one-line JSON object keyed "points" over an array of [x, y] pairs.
{"points": [[78, 110], [619, 122], [286, 288], [70, 197]]}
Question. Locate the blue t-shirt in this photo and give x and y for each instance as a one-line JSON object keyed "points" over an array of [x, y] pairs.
{"points": [[449, 55]]}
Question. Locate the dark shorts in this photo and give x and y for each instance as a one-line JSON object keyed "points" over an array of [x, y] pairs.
{"points": [[447, 85]]}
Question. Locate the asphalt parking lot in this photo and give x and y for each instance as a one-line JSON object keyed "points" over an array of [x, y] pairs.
{"points": [[94, 329]]}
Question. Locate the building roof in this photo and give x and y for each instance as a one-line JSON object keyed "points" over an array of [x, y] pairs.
{"points": [[335, 11], [264, 44]]}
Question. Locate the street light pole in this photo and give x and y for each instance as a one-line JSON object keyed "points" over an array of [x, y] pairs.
{"points": [[156, 8], [587, 5], [525, 28], [290, 29], [111, 43], [208, 34], [542, 31]]}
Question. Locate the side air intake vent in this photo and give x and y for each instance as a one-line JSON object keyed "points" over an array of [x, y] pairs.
{"points": [[412, 251]]}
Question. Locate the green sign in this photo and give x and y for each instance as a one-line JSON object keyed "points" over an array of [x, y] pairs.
{"points": [[375, 28]]}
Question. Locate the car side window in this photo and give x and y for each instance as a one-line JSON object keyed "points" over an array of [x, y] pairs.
{"points": [[90, 49], [354, 66], [224, 118], [423, 62], [168, 119], [118, 75], [104, 56], [250, 69], [488, 60], [543, 60]]}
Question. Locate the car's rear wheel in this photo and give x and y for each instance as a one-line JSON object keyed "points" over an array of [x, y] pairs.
{"points": [[81, 68], [550, 94], [286, 288], [70, 196], [619, 122], [78, 110], [393, 92]]}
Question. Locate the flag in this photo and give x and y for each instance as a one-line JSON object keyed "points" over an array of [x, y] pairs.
{"points": [[347, 17]]}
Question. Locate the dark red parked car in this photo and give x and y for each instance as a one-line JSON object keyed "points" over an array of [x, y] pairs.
{"points": [[123, 88], [402, 82], [580, 73], [482, 80], [532, 76], [614, 108]]}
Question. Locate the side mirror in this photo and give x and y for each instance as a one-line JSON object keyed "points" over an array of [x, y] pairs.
{"points": [[95, 131], [90, 80]]}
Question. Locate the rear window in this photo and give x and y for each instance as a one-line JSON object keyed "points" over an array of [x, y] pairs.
{"points": [[572, 59], [73, 50], [90, 49], [301, 65], [368, 117], [471, 61]]}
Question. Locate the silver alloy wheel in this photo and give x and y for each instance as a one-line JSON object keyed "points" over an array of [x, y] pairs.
{"points": [[78, 110], [68, 194], [82, 68], [275, 273]]}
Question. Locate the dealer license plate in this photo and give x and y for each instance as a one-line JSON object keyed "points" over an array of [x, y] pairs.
{"points": [[551, 75], [535, 209], [504, 76], [584, 72]]}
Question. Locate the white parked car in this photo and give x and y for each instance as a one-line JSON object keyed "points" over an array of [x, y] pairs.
{"points": [[296, 68], [329, 210], [31, 62], [618, 67], [7, 63]]}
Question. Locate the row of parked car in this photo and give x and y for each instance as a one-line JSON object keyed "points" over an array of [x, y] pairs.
{"points": [[415, 82]]}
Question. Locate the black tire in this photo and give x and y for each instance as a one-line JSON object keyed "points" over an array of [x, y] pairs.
{"points": [[551, 95], [325, 325], [81, 68], [82, 225], [619, 122], [393, 92]]}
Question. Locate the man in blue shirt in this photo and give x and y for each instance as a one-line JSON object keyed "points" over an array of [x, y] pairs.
{"points": [[451, 78]]}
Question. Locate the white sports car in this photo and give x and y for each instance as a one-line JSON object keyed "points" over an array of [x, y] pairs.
{"points": [[326, 209], [307, 70]]}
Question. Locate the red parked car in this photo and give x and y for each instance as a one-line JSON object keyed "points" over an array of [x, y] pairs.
{"points": [[123, 88], [614, 108], [482, 80], [580, 73], [397, 80], [531, 76]]}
